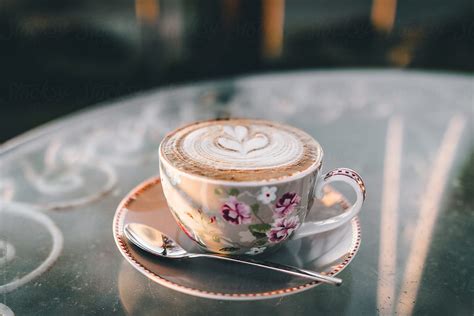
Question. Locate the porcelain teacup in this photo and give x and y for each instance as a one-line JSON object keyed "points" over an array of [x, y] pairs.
{"points": [[244, 186]]}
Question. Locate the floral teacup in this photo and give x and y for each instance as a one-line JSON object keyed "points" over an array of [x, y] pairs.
{"points": [[245, 186]]}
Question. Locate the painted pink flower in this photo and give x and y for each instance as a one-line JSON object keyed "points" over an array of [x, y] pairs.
{"points": [[236, 212], [282, 229], [286, 204]]}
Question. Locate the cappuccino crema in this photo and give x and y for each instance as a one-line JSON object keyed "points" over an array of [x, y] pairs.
{"points": [[241, 150]]}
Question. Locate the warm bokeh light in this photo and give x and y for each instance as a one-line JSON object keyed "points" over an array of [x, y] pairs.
{"points": [[147, 10], [383, 14], [402, 54], [273, 20]]}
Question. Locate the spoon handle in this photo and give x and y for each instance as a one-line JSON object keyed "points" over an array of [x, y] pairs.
{"points": [[276, 267]]}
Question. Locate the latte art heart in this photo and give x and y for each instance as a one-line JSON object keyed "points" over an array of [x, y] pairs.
{"points": [[237, 139], [237, 132], [218, 149]]}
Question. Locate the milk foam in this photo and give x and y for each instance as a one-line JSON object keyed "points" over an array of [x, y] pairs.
{"points": [[240, 150], [242, 147]]}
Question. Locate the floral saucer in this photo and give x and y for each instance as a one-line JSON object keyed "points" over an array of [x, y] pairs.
{"points": [[328, 252]]}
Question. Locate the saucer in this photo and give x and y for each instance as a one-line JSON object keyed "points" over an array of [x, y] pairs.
{"points": [[328, 252]]}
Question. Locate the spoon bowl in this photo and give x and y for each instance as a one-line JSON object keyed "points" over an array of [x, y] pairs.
{"points": [[154, 241]]}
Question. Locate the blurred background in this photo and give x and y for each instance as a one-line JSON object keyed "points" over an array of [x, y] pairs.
{"points": [[59, 56]]}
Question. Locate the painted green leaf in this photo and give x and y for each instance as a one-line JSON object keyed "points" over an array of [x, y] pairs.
{"points": [[255, 208], [233, 192], [260, 228], [261, 242], [258, 235], [217, 191], [229, 249]]}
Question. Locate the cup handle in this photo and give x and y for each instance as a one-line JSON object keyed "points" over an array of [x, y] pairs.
{"points": [[348, 176]]}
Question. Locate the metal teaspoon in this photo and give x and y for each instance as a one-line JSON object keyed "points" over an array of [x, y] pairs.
{"points": [[155, 242]]}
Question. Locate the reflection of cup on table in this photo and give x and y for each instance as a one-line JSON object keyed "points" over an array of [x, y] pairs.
{"points": [[245, 186]]}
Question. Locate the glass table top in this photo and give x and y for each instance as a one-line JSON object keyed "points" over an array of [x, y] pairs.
{"points": [[409, 134]]}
